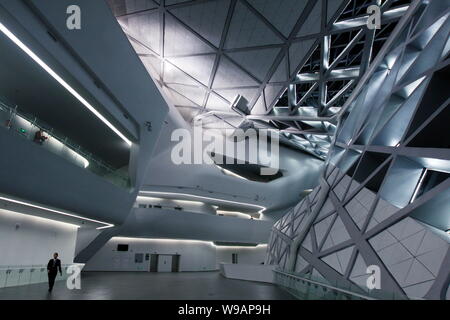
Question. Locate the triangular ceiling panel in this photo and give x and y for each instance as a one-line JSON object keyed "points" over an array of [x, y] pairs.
{"points": [[332, 7], [153, 65], [247, 30], [272, 93], [180, 41], [145, 27], [178, 100], [198, 67], [193, 93], [139, 48], [298, 52], [257, 62], [183, 84], [313, 22], [260, 106], [230, 95], [283, 14], [173, 75], [229, 75], [217, 103], [281, 73], [120, 7], [206, 18]]}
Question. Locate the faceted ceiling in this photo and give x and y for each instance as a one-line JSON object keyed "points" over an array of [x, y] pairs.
{"points": [[204, 53]]}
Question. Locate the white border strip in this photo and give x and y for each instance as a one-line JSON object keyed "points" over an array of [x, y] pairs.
{"points": [[106, 225]]}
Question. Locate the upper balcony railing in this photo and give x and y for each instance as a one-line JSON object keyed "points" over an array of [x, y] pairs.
{"points": [[28, 128]]}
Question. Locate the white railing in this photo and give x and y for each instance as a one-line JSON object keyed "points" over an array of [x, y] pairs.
{"points": [[11, 276]]}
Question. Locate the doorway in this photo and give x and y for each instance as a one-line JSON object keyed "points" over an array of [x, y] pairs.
{"points": [[234, 258], [176, 263], [153, 263], [164, 263]]}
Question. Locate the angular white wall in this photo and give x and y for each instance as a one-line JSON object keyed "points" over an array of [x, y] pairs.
{"points": [[28, 240]]}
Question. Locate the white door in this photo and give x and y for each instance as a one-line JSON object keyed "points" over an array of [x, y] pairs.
{"points": [[164, 263]]}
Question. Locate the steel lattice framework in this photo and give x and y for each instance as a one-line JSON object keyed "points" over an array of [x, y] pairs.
{"points": [[310, 53], [385, 194]]}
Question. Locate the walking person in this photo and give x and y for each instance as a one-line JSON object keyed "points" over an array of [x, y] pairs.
{"points": [[52, 270]]}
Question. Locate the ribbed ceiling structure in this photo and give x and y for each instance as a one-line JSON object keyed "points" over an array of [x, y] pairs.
{"points": [[206, 53]]}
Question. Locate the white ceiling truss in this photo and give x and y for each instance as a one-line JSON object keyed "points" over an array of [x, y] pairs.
{"points": [[295, 62]]}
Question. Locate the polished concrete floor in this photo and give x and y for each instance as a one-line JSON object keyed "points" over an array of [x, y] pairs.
{"points": [[150, 286]]}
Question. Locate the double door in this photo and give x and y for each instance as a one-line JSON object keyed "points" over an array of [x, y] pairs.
{"points": [[165, 263]]}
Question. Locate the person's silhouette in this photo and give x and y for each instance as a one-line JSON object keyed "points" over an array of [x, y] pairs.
{"points": [[52, 269]]}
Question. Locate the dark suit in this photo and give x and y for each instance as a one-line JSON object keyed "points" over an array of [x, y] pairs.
{"points": [[52, 267]]}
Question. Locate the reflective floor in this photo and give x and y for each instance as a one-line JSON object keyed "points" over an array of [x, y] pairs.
{"points": [[150, 286]]}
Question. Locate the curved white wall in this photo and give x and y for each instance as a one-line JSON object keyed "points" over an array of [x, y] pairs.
{"points": [[300, 172], [195, 255]]}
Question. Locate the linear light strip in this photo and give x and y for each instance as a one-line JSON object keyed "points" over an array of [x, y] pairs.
{"points": [[7, 212], [262, 209], [241, 247], [188, 241], [107, 225], [234, 213], [52, 73]]}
